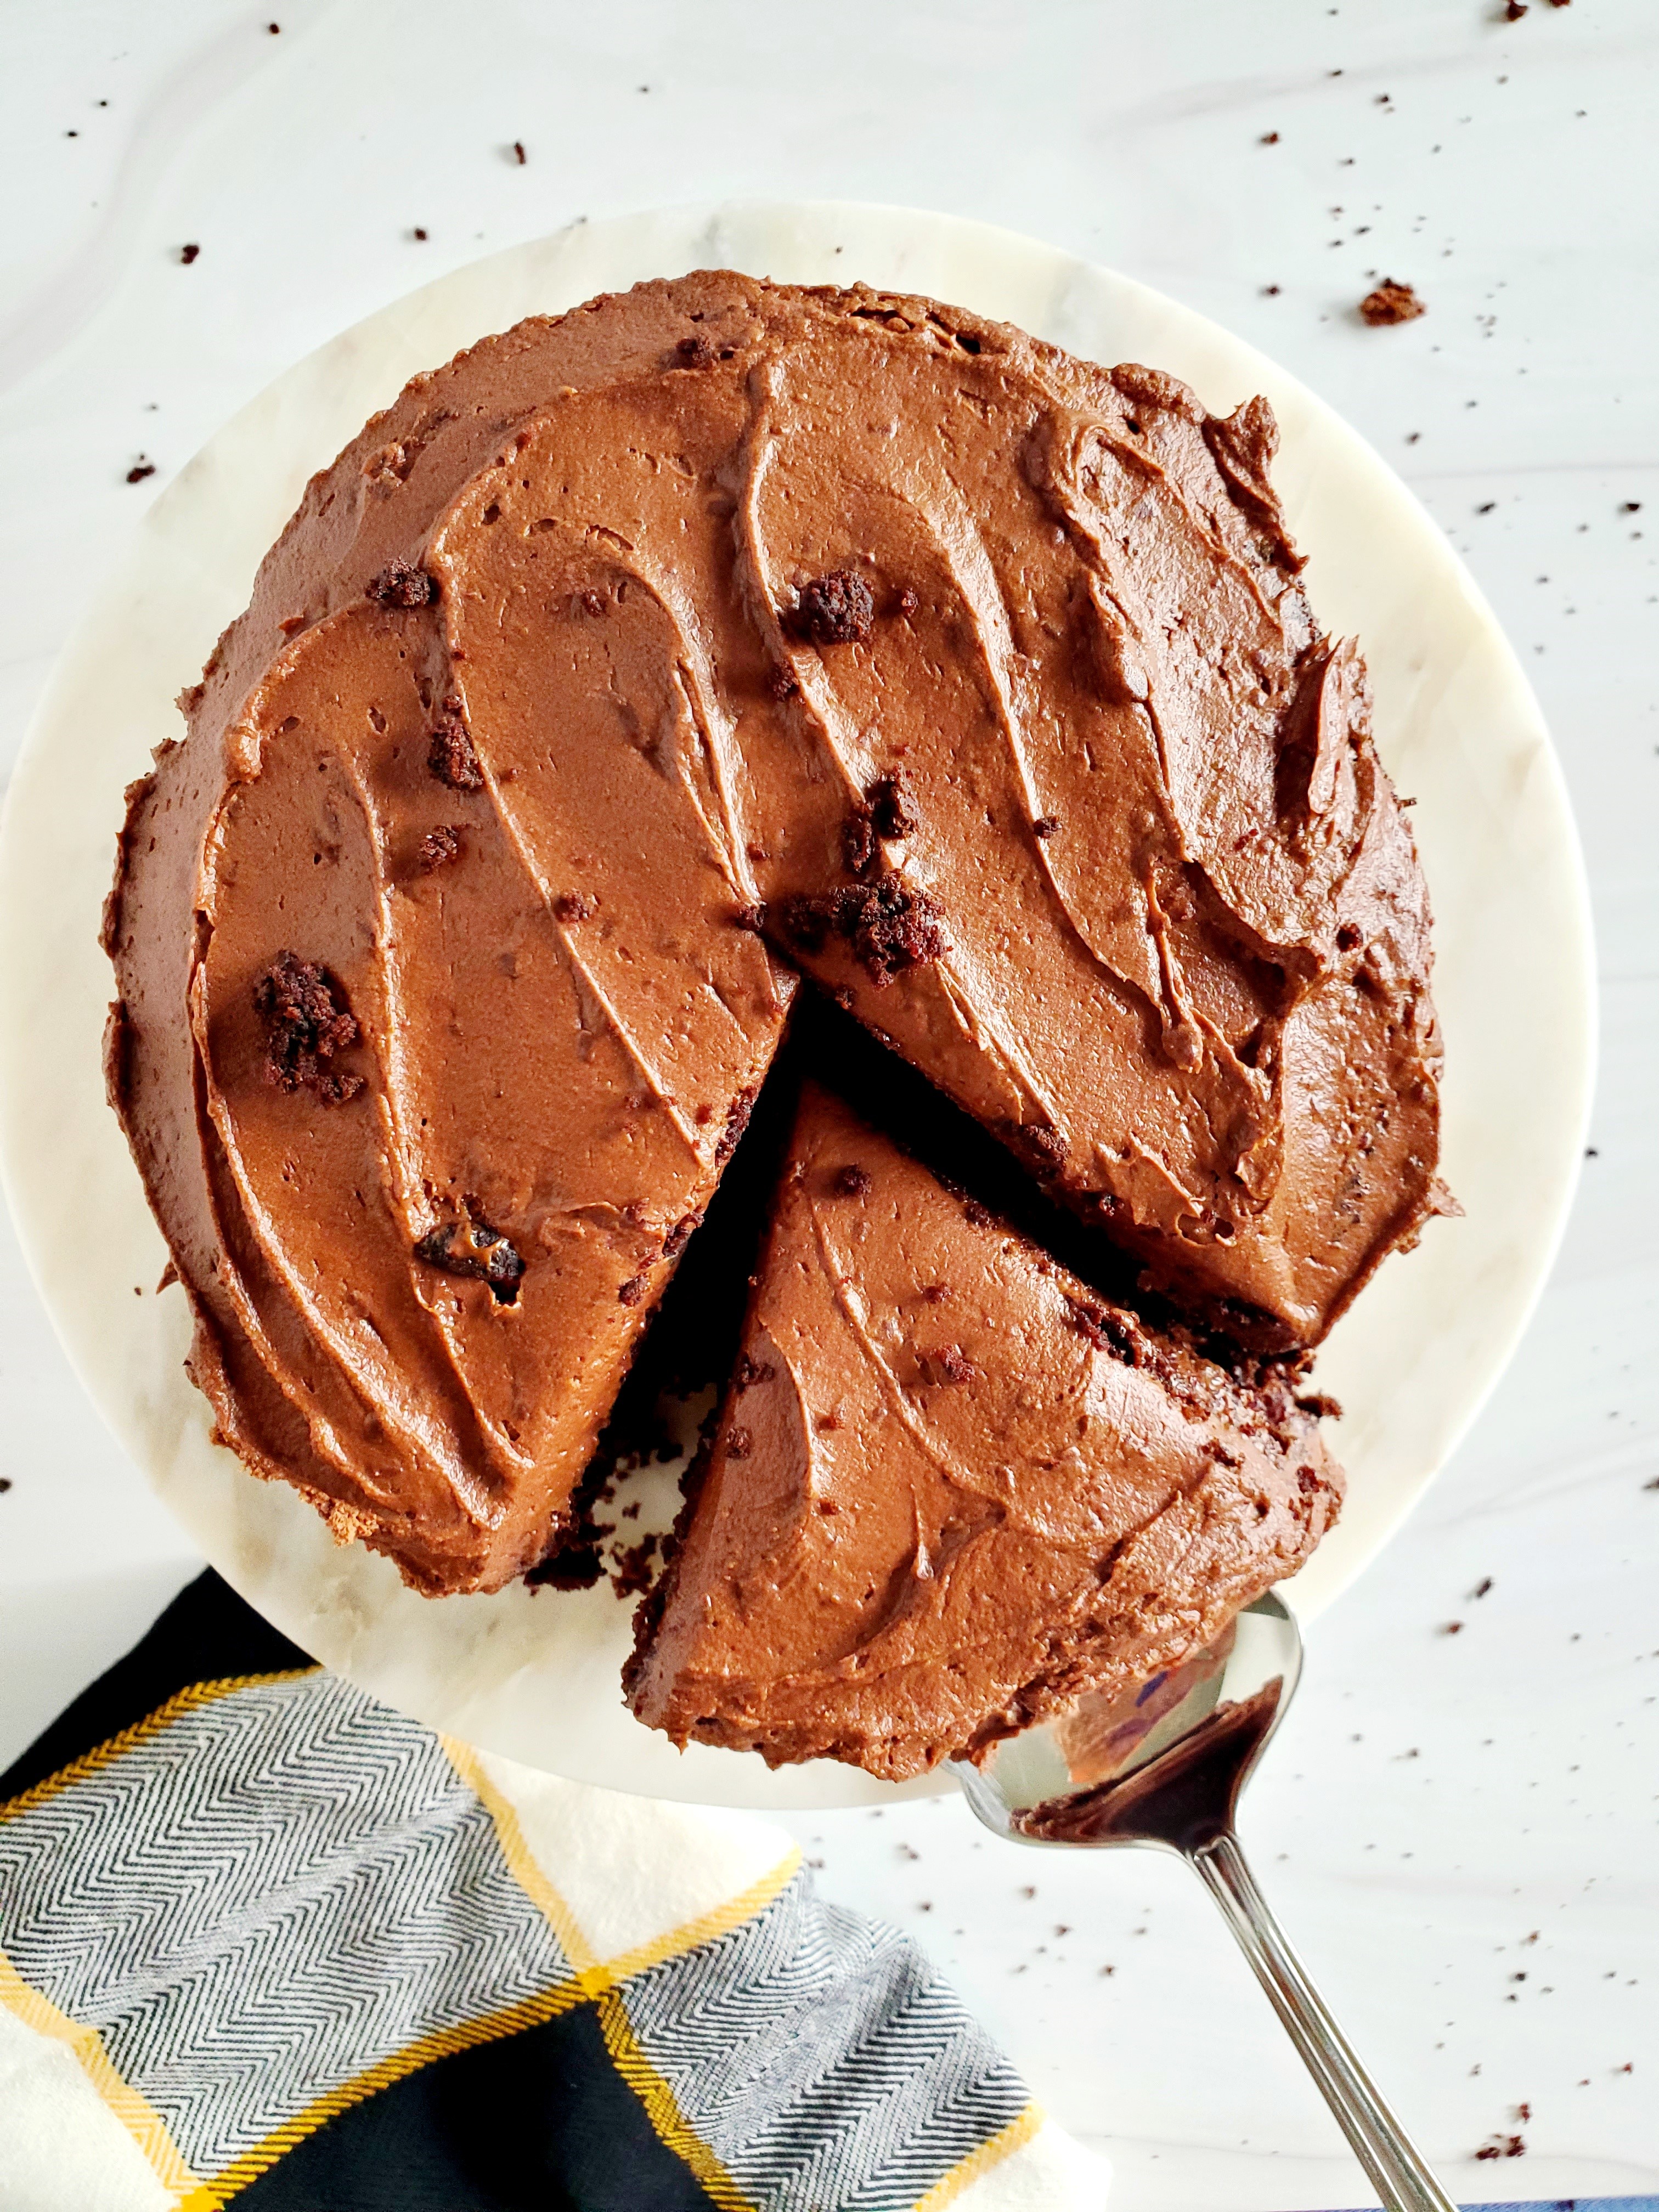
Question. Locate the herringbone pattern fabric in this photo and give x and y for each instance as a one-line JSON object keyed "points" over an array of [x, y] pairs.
{"points": [[820, 2058], [268, 1940]]}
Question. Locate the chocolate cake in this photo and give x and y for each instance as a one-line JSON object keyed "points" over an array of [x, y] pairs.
{"points": [[951, 1491], [640, 663]]}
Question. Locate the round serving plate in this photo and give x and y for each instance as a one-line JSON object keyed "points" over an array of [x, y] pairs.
{"points": [[534, 1674]]}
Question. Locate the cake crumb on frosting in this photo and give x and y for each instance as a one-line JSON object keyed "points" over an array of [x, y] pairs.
{"points": [[306, 1022], [401, 584], [838, 609]]}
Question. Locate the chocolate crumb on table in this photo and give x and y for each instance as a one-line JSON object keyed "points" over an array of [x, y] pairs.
{"points": [[519, 154], [141, 469], [188, 254], [1514, 10], [1391, 302], [402, 584], [307, 1021], [837, 609], [1501, 2145], [633, 1568]]}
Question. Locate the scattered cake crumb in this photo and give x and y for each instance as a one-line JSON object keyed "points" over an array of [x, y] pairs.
{"points": [[473, 1250], [519, 154], [890, 926], [681, 1235], [950, 1364], [858, 843], [837, 609], [440, 848], [1391, 302], [852, 1182], [574, 906], [739, 1444], [307, 1021], [888, 804], [188, 254], [401, 584], [141, 469], [1503, 2146], [737, 1121], [451, 755], [631, 1572]]}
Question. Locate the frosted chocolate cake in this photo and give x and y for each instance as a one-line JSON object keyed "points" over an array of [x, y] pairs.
{"points": [[634, 667]]}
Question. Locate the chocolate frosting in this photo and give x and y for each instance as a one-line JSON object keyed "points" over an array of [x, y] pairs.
{"points": [[640, 659], [950, 1491]]}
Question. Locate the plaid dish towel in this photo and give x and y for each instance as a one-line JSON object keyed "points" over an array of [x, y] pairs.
{"points": [[265, 1942]]}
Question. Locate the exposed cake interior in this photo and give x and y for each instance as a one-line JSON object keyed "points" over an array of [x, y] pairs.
{"points": [[950, 1491]]}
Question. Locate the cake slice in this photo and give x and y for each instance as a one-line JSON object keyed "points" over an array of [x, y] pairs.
{"points": [[950, 1491]]}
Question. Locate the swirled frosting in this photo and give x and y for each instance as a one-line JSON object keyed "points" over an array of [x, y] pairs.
{"points": [[634, 664], [951, 1491]]}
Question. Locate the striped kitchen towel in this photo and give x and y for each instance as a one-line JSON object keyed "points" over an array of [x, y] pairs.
{"points": [[265, 1942]]}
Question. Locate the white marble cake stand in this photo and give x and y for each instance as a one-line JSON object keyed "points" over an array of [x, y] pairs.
{"points": [[535, 1676]]}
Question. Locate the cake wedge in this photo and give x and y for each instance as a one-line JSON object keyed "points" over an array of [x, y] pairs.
{"points": [[950, 1489]]}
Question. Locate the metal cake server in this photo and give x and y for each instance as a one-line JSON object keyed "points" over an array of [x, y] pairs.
{"points": [[1165, 1765]]}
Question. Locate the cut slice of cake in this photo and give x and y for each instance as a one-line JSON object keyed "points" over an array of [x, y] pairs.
{"points": [[950, 1491]]}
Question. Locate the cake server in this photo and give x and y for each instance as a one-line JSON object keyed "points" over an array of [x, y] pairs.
{"points": [[1165, 1765]]}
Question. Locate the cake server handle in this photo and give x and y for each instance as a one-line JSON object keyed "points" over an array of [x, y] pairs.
{"points": [[1397, 2172]]}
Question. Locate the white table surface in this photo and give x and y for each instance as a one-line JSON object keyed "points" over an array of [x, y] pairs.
{"points": [[1445, 1813]]}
